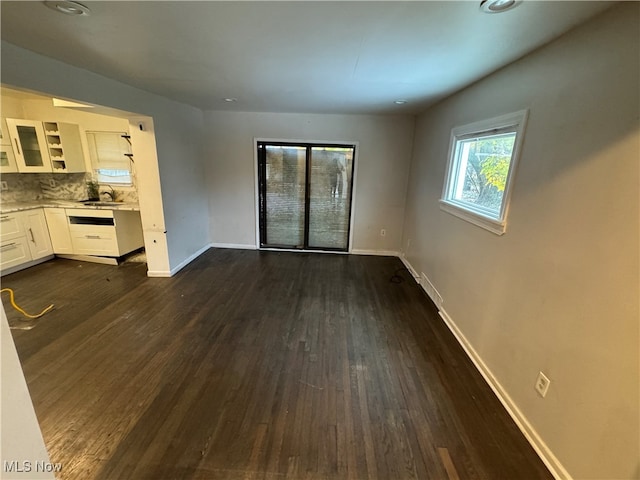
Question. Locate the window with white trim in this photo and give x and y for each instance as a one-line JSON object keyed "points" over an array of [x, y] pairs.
{"points": [[482, 162], [110, 154]]}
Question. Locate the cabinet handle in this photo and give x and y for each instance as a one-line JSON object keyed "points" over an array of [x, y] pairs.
{"points": [[8, 245], [94, 237], [32, 237], [17, 146], [4, 218]]}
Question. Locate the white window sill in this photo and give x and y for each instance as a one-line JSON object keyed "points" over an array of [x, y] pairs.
{"points": [[494, 226]]}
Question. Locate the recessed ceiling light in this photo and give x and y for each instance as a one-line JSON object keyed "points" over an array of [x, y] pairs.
{"points": [[400, 102], [497, 6], [68, 7], [231, 99]]}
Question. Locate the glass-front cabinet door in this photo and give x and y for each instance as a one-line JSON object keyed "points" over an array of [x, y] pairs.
{"points": [[7, 159], [29, 145]]}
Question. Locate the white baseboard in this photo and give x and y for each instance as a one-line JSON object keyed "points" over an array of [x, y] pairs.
{"points": [[384, 253], [180, 266], [381, 253], [415, 275], [189, 259], [90, 258], [158, 273], [541, 448], [28, 264], [544, 452], [241, 246]]}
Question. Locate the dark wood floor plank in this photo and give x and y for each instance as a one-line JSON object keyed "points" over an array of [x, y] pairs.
{"points": [[257, 366]]}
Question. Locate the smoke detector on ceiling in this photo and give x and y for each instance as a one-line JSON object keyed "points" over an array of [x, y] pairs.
{"points": [[68, 7], [498, 6]]}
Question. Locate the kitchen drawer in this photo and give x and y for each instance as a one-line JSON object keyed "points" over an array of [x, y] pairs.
{"points": [[10, 226], [94, 244], [88, 213], [104, 230], [14, 252]]}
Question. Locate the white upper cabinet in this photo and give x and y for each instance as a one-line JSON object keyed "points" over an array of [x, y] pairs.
{"points": [[7, 157], [29, 145], [44, 147], [65, 147]]}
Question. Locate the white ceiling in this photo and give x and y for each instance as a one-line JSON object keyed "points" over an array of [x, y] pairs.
{"points": [[304, 56]]}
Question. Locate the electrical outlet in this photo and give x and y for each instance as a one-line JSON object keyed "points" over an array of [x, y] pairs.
{"points": [[4, 185], [542, 384], [383, 232]]}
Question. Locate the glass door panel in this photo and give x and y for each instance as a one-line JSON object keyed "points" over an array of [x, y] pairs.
{"points": [[7, 159], [330, 197], [30, 147], [284, 196]]}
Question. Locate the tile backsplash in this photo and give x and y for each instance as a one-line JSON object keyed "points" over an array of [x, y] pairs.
{"points": [[26, 187]]}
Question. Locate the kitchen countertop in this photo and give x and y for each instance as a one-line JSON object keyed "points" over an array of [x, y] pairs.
{"points": [[10, 207]]}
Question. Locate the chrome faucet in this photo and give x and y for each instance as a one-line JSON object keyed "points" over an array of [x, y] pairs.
{"points": [[112, 193]]}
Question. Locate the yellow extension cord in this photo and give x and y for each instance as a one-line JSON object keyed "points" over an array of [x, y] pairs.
{"points": [[13, 303]]}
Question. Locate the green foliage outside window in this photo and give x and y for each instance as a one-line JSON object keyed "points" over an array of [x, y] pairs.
{"points": [[487, 169]]}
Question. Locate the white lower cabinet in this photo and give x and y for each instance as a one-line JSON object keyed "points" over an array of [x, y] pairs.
{"points": [[37, 233], [31, 236], [59, 230], [98, 243], [14, 252], [24, 239], [10, 226], [109, 233]]}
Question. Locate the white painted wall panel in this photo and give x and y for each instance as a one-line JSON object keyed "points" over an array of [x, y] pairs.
{"points": [[382, 167], [559, 291]]}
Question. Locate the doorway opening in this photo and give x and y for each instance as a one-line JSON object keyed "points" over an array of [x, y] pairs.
{"points": [[46, 109], [305, 195]]}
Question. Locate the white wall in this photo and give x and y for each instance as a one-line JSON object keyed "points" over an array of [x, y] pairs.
{"points": [[43, 109], [179, 206], [11, 108], [559, 291], [382, 167]]}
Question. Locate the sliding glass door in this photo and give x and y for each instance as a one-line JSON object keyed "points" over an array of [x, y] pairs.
{"points": [[284, 195], [305, 195]]}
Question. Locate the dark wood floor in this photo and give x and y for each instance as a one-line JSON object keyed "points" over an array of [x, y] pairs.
{"points": [[257, 365]]}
